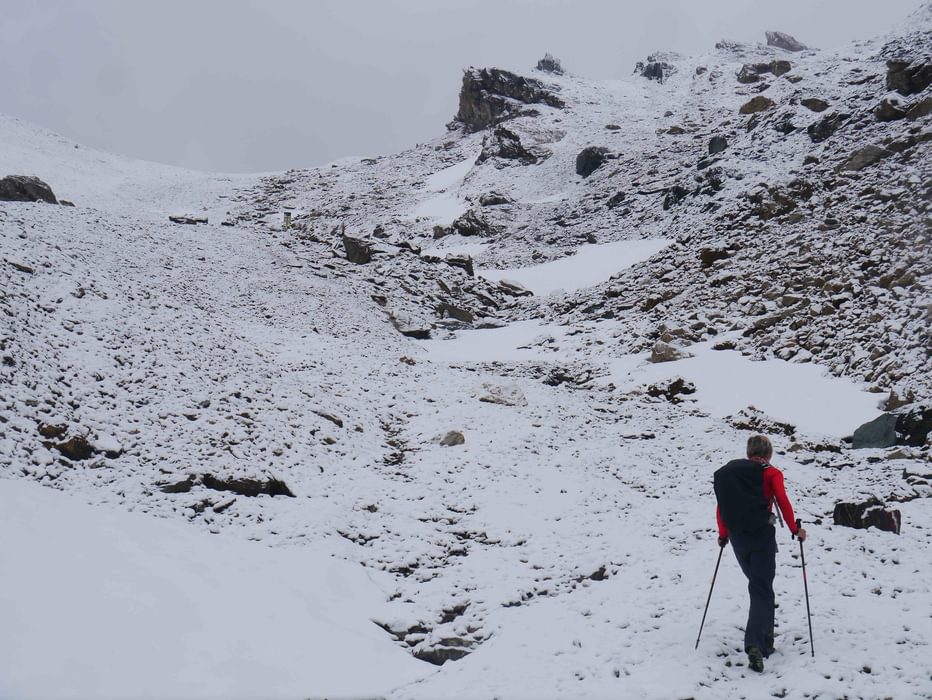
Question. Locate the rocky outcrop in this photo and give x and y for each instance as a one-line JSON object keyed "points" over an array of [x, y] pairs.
{"points": [[493, 199], [908, 77], [25, 188], [505, 144], [590, 159], [908, 427], [549, 64], [752, 72], [357, 250], [872, 513], [491, 95], [473, 224], [657, 67], [784, 41]]}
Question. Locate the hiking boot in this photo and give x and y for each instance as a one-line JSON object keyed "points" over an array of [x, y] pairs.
{"points": [[769, 650], [755, 660]]}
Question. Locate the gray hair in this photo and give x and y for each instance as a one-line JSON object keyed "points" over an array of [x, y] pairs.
{"points": [[759, 446]]}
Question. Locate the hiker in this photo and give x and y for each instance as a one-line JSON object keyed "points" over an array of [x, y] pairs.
{"points": [[745, 490]]}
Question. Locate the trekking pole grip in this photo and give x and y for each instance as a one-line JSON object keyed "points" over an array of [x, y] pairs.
{"points": [[799, 524]]}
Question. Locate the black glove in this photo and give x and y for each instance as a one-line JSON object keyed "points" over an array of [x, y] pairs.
{"points": [[722, 541]]}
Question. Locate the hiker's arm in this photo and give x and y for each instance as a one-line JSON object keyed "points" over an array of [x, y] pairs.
{"points": [[779, 493], [722, 530]]}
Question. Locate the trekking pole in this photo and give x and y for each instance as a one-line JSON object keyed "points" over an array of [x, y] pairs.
{"points": [[720, 550], [802, 557]]}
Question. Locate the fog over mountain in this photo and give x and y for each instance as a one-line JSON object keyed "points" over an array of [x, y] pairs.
{"points": [[250, 86]]}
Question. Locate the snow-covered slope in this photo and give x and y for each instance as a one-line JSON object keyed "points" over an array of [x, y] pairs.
{"points": [[254, 383]]}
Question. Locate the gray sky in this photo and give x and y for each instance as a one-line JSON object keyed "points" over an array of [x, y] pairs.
{"points": [[256, 85]]}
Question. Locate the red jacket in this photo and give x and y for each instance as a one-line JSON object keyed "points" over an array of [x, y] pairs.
{"points": [[773, 489]]}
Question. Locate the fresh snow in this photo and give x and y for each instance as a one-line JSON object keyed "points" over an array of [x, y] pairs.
{"points": [[567, 544], [590, 265], [98, 603]]}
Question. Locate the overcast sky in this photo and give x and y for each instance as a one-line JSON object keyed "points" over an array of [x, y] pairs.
{"points": [[258, 85]]}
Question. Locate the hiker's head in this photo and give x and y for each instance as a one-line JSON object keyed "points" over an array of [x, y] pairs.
{"points": [[759, 446]]}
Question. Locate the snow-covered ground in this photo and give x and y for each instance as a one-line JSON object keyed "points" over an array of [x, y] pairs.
{"points": [[564, 549]]}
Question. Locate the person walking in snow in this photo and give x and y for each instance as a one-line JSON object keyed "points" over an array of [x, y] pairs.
{"points": [[745, 490]]}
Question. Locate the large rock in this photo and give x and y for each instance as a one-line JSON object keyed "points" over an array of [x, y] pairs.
{"points": [[907, 427], [665, 352], [657, 66], [506, 144], [504, 395], [472, 224], [451, 439], [880, 432], [871, 513], [357, 250], [756, 104], [25, 188], [549, 64], [784, 41], [752, 72], [889, 110], [491, 95], [913, 426], [864, 157], [908, 77], [717, 144], [826, 126], [814, 104], [590, 159]]}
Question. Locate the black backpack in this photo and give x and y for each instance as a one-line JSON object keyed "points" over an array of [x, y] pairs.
{"points": [[739, 488]]}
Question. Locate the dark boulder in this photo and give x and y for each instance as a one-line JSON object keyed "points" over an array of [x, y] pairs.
{"points": [[247, 487], [908, 77], [590, 159], [756, 104], [814, 104], [76, 449], [752, 72], [25, 188], [357, 250], [671, 389], [549, 64], [913, 426], [871, 513], [188, 220], [471, 224], [710, 256], [880, 432], [826, 126], [506, 144], [490, 96], [655, 67], [717, 144], [784, 41]]}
